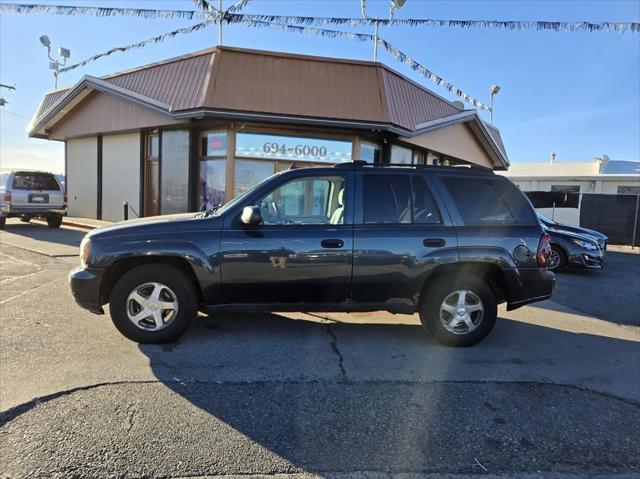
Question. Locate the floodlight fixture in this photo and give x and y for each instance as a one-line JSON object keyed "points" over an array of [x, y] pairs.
{"points": [[54, 65], [45, 41], [494, 89], [64, 52]]}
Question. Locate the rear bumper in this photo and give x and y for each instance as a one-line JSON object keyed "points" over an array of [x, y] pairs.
{"points": [[35, 210], [529, 285], [86, 285]]}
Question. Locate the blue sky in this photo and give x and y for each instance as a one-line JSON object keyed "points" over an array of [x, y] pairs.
{"points": [[575, 94]]}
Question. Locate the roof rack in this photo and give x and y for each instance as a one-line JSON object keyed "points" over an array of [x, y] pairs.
{"points": [[357, 163]]}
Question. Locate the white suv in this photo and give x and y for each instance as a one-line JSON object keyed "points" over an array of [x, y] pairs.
{"points": [[28, 194]]}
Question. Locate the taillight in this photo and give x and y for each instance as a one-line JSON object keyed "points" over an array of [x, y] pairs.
{"points": [[544, 250], [7, 197]]}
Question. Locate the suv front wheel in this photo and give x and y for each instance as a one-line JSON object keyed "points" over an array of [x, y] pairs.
{"points": [[153, 303], [459, 310]]}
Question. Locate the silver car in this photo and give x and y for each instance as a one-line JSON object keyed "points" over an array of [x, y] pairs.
{"points": [[30, 194]]}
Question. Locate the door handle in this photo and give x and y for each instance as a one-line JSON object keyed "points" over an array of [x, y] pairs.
{"points": [[433, 242], [332, 243]]}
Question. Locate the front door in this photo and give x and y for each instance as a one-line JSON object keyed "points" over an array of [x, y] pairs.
{"points": [[302, 250]]}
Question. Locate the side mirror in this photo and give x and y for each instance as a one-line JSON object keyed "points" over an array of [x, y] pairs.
{"points": [[251, 216]]}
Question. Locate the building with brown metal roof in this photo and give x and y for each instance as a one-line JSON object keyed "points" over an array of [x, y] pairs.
{"points": [[192, 131]]}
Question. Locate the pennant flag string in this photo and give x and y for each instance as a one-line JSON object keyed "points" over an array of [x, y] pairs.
{"points": [[156, 39], [231, 16], [393, 51], [413, 22], [99, 11]]}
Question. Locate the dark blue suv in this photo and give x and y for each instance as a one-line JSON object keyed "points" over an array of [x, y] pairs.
{"points": [[450, 243]]}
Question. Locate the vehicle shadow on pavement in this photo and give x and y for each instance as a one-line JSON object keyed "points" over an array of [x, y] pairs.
{"points": [[39, 232], [385, 397]]}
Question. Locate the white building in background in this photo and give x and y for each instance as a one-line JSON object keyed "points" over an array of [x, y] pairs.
{"points": [[598, 176]]}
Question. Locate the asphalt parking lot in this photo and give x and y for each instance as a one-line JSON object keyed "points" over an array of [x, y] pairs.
{"points": [[553, 391]]}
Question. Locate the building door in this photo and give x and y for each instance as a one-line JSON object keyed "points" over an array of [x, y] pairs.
{"points": [[152, 175]]}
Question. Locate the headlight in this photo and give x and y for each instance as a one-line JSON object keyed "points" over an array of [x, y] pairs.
{"points": [[585, 244], [85, 250]]}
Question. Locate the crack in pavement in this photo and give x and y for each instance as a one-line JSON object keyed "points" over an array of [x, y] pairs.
{"points": [[334, 347], [131, 412]]}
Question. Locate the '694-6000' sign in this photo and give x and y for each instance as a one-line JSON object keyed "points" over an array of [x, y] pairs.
{"points": [[292, 148]]}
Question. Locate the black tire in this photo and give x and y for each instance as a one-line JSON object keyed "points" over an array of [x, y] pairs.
{"points": [[3, 221], [173, 278], [562, 259], [54, 221], [437, 292]]}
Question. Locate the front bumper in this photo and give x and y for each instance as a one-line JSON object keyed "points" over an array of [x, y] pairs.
{"points": [[528, 285], [586, 259], [86, 284]]}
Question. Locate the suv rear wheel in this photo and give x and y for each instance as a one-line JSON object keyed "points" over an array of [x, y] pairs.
{"points": [[153, 304], [3, 221], [54, 221], [459, 310]]}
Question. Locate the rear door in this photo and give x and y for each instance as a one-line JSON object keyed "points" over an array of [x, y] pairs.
{"points": [[402, 231]]}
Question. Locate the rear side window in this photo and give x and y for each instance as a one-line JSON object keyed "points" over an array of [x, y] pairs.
{"points": [[398, 199], [489, 201], [34, 181]]}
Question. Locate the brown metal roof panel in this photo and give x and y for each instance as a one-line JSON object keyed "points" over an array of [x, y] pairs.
{"points": [[410, 104], [495, 134], [294, 86], [178, 83], [49, 100]]}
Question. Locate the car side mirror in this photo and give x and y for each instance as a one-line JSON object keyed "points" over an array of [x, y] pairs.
{"points": [[251, 216]]}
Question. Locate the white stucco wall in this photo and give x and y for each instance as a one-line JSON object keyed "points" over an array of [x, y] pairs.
{"points": [[120, 174], [82, 177]]}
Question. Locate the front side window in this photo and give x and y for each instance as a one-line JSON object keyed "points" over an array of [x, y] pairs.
{"points": [[398, 199], [316, 200], [489, 201], [34, 181]]}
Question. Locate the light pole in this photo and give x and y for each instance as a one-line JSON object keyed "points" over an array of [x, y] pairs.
{"points": [[492, 91], [54, 64], [394, 5]]}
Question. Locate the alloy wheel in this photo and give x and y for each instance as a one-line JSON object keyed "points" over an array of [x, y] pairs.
{"points": [[461, 312], [152, 306]]}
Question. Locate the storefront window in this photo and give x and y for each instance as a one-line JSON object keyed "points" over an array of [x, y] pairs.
{"points": [[249, 173], [212, 183], [369, 152], [292, 148], [153, 145], [401, 155], [175, 172], [213, 168], [214, 143]]}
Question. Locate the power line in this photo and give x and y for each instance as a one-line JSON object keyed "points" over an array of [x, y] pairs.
{"points": [[16, 114]]}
